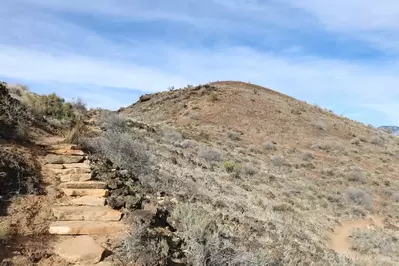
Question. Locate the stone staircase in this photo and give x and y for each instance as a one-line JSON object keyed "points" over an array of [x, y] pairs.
{"points": [[82, 213]]}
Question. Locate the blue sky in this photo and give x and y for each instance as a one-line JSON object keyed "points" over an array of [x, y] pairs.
{"points": [[342, 55]]}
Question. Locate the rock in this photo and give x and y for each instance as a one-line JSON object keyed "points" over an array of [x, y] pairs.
{"points": [[61, 171], [85, 228], [88, 201], [75, 177], [76, 165], [81, 249], [84, 185], [139, 217], [86, 213], [54, 166], [62, 159], [116, 202], [151, 208], [132, 202], [85, 192]]}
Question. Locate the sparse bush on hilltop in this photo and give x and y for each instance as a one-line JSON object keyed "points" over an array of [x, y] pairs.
{"points": [[111, 121], [48, 105], [249, 169], [359, 197]]}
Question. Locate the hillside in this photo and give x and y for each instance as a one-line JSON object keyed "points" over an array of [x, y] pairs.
{"points": [[222, 174], [282, 171]]}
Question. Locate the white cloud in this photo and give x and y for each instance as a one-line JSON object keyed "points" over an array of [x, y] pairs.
{"points": [[40, 46]]}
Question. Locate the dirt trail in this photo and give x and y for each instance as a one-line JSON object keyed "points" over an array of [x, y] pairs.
{"points": [[339, 239]]}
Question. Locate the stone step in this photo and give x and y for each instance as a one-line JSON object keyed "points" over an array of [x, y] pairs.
{"points": [[65, 151], [70, 171], [75, 177], [81, 249], [76, 165], [85, 228], [83, 185], [86, 213], [86, 201], [63, 159], [85, 192]]}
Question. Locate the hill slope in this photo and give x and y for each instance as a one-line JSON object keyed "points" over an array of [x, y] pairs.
{"points": [[282, 174]]}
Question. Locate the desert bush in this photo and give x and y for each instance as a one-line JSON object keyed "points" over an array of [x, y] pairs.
{"points": [[277, 160], [234, 135], [203, 244], [210, 155], [123, 150], [395, 197], [327, 171], [307, 156], [376, 242], [355, 141], [172, 135], [213, 97], [377, 140], [357, 174], [233, 168], [111, 121], [269, 145], [254, 149], [76, 131], [359, 197], [79, 105], [48, 105], [146, 246], [188, 143], [329, 145], [249, 169]]}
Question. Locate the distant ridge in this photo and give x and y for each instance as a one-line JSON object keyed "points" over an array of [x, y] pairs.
{"points": [[394, 129]]}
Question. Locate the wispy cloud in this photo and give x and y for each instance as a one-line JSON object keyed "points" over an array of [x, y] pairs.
{"points": [[111, 48]]}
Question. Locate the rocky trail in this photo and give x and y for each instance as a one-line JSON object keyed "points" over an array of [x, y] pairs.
{"points": [[83, 221]]}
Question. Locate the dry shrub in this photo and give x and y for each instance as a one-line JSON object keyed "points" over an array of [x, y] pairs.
{"points": [[203, 244], [277, 160], [188, 143], [377, 140], [307, 156], [172, 136], [112, 121], [357, 174], [211, 155], [359, 197], [145, 246], [249, 169], [269, 146], [234, 135], [376, 242], [213, 97]]}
